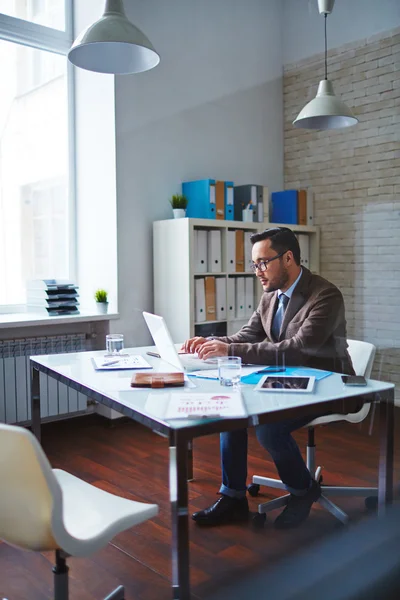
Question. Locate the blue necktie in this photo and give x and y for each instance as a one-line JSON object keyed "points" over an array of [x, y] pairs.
{"points": [[278, 318]]}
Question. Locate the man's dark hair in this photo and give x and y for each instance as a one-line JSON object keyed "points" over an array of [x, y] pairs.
{"points": [[282, 239]]}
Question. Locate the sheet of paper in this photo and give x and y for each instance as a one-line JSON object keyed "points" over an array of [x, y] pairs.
{"points": [[188, 405], [129, 361], [255, 370], [213, 373]]}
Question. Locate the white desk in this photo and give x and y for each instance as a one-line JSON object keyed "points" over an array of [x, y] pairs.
{"points": [[112, 388]]}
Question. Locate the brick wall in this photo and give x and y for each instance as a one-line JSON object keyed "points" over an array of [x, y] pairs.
{"points": [[355, 176]]}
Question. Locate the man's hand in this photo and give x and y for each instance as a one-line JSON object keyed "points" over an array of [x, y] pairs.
{"points": [[212, 348], [191, 346]]}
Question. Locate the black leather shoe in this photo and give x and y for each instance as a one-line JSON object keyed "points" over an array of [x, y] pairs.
{"points": [[298, 508], [224, 510]]}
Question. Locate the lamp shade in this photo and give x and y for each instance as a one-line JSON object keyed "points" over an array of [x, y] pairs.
{"points": [[325, 111], [113, 45]]}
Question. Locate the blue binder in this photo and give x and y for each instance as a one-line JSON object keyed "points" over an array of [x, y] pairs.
{"points": [[229, 201], [201, 197], [284, 207]]}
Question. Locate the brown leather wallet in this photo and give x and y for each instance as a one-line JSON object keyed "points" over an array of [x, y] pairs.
{"points": [[157, 380]]}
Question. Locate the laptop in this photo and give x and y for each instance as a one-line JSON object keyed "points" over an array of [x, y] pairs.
{"points": [[166, 347]]}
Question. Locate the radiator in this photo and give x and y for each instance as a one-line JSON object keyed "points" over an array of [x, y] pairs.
{"points": [[15, 381]]}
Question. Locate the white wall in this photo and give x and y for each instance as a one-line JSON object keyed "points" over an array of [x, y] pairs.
{"points": [[212, 108], [351, 20], [96, 174]]}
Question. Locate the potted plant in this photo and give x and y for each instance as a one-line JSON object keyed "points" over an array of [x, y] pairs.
{"points": [[179, 203], [101, 297]]}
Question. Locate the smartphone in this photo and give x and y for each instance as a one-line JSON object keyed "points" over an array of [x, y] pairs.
{"points": [[354, 380]]}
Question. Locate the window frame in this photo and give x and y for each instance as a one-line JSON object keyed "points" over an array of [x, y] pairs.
{"points": [[27, 33]]}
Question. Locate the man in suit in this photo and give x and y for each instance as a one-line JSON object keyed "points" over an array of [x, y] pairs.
{"points": [[300, 320]]}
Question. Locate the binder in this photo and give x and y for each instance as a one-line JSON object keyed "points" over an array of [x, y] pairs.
{"points": [[302, 207], [247, 251], [220, 199], [259, 213], [239, 250], [257, 198], [220, 297], [229, 201], [231, 304], [304, 243], [200, 251], [240, 298], [245, 196], [284, 207], [201, 197], [214, 251], [231, 251], [210, 298], [249, 296], [200, 300], [266, 205], [310, 207]]}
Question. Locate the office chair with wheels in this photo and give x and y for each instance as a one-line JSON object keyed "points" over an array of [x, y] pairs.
{"points": [[48, 509], [362, 355]]}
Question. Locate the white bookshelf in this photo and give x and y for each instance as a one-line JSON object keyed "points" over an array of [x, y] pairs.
{"points": [[174, 272]]}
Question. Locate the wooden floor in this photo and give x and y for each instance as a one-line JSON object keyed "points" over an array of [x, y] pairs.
{"points": [[128, 460]]}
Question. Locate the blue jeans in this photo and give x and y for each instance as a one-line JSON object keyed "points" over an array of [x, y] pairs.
{"points": [[276, 438]]}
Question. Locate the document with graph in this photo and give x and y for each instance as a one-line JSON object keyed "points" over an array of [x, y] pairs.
{"points": [[192, 405]]}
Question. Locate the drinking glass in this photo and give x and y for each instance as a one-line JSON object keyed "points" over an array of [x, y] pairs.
{"points": [[229, 370], [114, 344]]}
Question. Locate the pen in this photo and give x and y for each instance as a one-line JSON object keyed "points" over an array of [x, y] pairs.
{"points": [[202, 377], [153, 354], [113, 362], [270, 370]]}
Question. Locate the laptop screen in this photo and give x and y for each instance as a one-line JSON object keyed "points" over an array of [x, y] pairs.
{"points": [[163, 340]]}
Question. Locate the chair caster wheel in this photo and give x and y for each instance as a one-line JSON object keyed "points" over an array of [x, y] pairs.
{"points": [[371, 502], [253, 489], [258, 521]]}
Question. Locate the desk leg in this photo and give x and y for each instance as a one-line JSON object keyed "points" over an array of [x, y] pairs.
{"points": [[386, 432], [178, 486], [35, 402], [190, 460]]}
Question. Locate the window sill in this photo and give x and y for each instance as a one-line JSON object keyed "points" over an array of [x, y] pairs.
{"points": [[30, 319]]}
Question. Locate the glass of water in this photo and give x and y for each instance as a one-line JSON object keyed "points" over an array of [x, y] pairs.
{"points": [[229, 370], [114, 344]]}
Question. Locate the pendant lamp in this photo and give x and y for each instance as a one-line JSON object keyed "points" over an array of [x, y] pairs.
{"points": [[325, 111], [113, 45]]}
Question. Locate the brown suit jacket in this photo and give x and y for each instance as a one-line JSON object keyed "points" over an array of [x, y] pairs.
{"points": [[313, 331]]}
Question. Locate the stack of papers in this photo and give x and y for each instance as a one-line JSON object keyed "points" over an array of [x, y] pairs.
{"points": [[111, 363]]}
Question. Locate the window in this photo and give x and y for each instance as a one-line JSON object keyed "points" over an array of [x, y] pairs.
{"points": [[50, 13], [36, 216]]}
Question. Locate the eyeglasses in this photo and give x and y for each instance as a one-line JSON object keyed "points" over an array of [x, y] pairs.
{"points": [[263, 264]]}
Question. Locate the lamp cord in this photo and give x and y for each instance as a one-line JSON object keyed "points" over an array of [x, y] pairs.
{"points": [[326, 50]]}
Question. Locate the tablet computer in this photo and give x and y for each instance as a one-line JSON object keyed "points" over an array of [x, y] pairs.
{"points": [[285, 384]]}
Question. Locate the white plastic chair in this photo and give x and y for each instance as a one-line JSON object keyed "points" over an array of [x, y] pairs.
{"points": [[362, 355], [48, 509]]}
